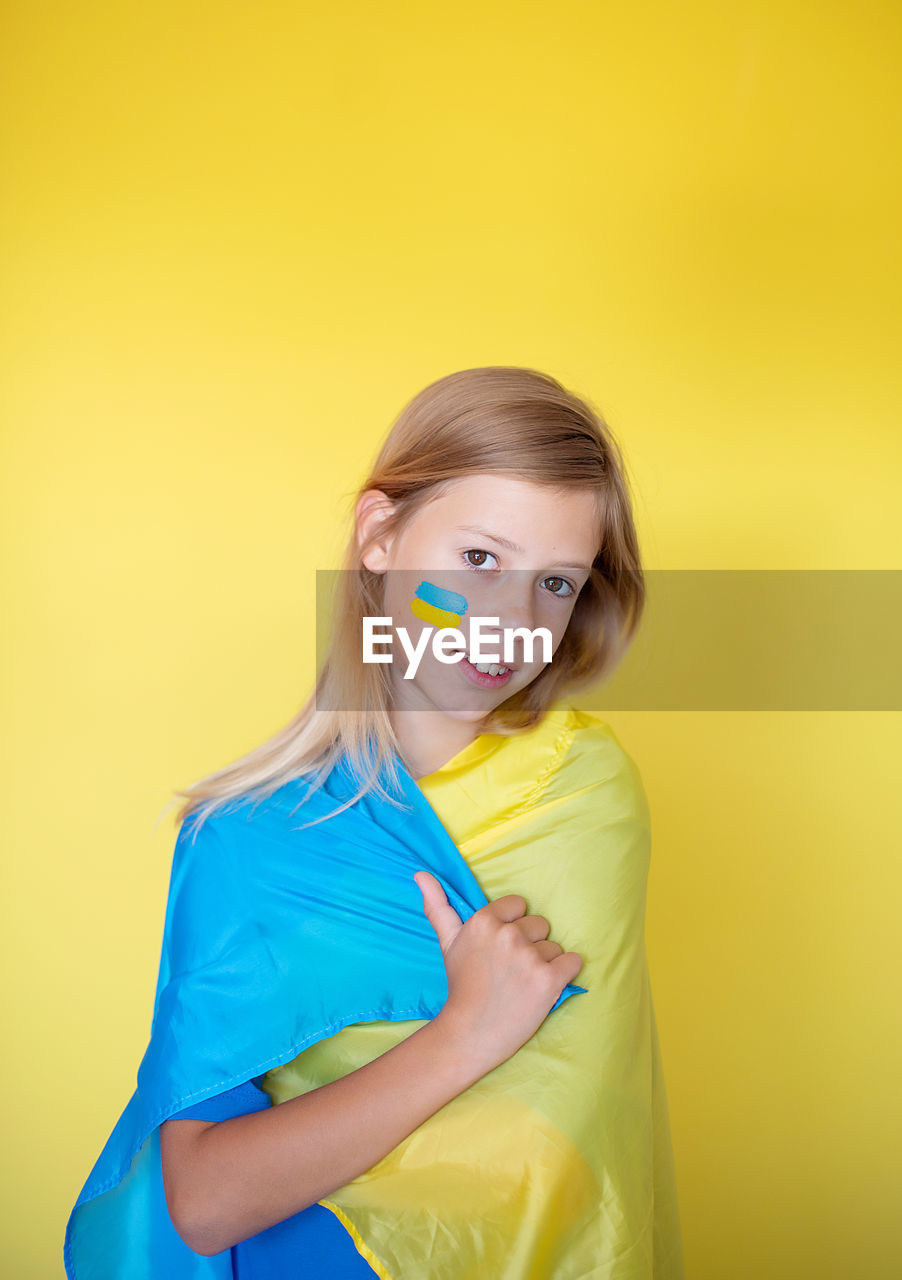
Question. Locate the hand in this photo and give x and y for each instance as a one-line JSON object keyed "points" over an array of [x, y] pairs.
{"points": [[504, 975]]}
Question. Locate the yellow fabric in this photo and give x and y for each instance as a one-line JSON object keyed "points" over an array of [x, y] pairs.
{"points": [[557, 1165]]}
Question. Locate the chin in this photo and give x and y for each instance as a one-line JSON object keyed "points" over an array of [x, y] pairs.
{"points": [[465, 714]]}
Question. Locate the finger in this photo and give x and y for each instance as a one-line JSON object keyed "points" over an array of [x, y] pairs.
{"points": [[549, 950], [439, 912], [510, 907], [533, 928], [566, 967]]}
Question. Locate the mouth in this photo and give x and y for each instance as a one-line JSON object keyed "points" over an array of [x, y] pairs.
{"points": [[488, 675]]}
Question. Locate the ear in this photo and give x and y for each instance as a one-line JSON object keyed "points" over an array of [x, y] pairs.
{"points": [[370, 512]]}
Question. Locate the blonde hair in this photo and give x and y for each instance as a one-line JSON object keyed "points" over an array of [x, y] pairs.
{"points": [[497, 420]]}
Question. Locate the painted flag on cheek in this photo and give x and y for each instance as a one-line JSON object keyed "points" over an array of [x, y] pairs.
{"points": [[437, 605]]}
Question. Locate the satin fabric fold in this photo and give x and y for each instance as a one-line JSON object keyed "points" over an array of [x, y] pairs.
{"points": [[558, 1163], [302, 954]]}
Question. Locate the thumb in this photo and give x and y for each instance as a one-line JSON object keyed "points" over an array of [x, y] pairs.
{"points": [[439, 912]]}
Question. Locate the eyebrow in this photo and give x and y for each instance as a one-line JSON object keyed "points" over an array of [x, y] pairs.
{"points": [[512, 546]]}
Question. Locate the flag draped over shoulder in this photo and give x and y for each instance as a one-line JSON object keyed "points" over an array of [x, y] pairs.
{"points": [[303, 954]]}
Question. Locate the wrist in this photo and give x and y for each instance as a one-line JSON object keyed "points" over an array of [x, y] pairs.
{"points": [[459, 1048]]}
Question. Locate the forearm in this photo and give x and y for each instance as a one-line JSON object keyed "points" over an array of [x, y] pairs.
{"points": [[252, 1171]]}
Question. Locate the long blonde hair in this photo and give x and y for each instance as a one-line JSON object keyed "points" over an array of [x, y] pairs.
{"points": [[498, 420]]}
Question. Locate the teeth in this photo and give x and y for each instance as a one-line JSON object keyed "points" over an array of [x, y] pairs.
{"points": [[489, 668]]}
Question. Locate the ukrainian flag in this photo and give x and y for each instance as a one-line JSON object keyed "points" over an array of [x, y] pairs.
{"points": [[437, 605], [305, 953]]}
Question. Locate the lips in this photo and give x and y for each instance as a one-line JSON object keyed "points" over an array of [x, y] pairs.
{"points": [[483, 679], [511, 666]]}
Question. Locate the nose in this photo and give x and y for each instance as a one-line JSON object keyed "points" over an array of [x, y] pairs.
{"points": [[514, 605]]}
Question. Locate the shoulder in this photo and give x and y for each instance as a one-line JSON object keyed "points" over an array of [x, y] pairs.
{"points": [[247, 843], [593, 734], [220, 855], [214, 829], [599, 755]]}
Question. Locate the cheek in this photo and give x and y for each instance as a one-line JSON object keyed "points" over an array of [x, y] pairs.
{"points": [[399, 592], [556, 619]]}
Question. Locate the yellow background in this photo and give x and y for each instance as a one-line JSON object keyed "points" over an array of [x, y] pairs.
{"points": [[236, 238]]}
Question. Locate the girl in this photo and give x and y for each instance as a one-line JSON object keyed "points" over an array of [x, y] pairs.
{"points": [[368, 1054]]}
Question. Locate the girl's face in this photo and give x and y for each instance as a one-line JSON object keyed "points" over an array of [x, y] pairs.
{"points": [[489, 546]]}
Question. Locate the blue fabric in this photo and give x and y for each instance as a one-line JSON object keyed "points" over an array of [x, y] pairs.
{"points": [[239, 1101], [275, 937], [311, 1244]]}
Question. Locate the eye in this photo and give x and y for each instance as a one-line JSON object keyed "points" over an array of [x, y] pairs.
{"points": [[474, 552], [564, 583]]}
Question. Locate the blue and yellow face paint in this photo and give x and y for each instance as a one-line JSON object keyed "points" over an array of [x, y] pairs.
{"points": [[437, 605]]}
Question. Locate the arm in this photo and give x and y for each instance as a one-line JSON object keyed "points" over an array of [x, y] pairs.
{"points": [[226, 1181]]}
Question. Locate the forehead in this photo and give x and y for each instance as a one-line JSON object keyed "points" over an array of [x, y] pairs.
{"points": [[539, 519]]}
